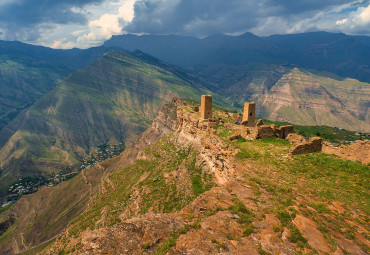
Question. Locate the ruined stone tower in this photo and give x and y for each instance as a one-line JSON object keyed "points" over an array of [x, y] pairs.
{"points": [[206, 107], [249, 114]]}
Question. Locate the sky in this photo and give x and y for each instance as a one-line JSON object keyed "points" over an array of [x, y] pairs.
{"points": [[86, 23]]}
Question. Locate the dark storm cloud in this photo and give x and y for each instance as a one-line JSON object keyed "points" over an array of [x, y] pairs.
{"points": [[194, 16], [295, 7], [204, 17], [22, 18]]}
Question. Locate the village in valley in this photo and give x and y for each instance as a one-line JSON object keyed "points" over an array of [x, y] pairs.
{"points": [[29, 185]]}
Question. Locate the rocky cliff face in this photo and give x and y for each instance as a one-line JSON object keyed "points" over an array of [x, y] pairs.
{"points": [[307, 99], [304, 98]]}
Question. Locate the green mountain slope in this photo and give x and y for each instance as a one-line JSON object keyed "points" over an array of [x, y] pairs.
{"points": [[21, 84], [111, 101]]}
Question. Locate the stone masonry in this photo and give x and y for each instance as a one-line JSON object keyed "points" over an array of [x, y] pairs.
{"points": [[206, 107], [300, 145], [249, 114]]}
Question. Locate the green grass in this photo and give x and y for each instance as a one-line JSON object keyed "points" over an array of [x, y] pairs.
{"points": [[284, 217], [246, 217], [39, 248], [296, 236], [201, 181], [167, 245], [326, 176], [322, 177], [330, 134], [158, 194]]}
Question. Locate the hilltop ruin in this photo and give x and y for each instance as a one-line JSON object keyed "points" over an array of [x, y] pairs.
{"points": [[245, 126]]}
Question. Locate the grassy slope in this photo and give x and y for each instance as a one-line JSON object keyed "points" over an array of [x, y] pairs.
{"points": [[22, 83], [113, 100], [150, 182], [305, 184], [40, 222]]}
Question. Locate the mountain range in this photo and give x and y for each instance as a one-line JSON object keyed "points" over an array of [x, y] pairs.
{"points": [[111, 101], [56, 106]]}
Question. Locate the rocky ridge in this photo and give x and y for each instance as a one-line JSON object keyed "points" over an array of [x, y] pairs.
{"points": [[244, 214]]}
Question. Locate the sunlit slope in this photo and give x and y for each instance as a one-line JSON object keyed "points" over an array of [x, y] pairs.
{"points": [[314, 99], [111, 101]]}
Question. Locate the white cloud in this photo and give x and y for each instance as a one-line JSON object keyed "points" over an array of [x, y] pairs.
{"points": [[365, 15], [102, 28], [356, 21], [61, 44], [107, 25], [341, 22], [126, 11]]}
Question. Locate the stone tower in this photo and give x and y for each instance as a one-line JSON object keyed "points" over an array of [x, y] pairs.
{"points": [[249, 114], [206, 107]]}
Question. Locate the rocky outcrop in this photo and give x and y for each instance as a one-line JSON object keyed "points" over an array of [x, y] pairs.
{"points": [[214, 153], [300, 145], [130, 237], [309, 230], [357, 151], [165, 123]]}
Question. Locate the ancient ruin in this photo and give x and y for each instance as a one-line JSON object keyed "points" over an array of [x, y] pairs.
{"points": [[249, 129], [206, 107], [357, 151], [261, 131], [249, 114], [300, 145]]}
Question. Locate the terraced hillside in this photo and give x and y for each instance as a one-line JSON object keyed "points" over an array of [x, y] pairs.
{"points": [[111, 101]]}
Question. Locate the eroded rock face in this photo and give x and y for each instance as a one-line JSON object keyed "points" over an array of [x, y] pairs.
{"points": [[214, 153], [358, 151], [131, 236]]}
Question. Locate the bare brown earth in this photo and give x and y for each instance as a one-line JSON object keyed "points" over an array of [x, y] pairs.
{"points": [[253, 209], [358, 151]]}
